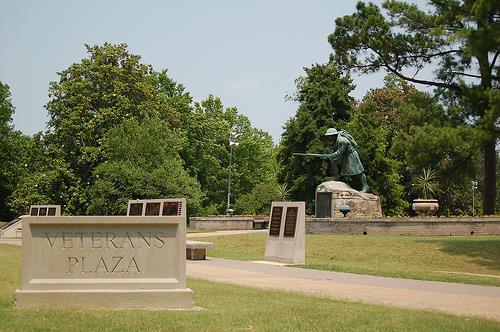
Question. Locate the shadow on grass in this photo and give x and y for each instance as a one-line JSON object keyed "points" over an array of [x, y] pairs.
{"points": [[485, 253]]}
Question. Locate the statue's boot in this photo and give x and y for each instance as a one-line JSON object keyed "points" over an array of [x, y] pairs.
{"points": [[363, 182]]}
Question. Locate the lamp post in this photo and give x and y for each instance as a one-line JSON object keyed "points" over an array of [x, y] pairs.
{"points": [[232, 142], [474, 188]]}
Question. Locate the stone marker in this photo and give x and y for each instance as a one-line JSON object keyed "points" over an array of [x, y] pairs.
{"points": [[331, 195], [114, 262], [286, 240]]}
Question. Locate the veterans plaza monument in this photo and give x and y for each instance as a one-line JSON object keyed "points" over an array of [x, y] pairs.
{"points": [[116, 262]]}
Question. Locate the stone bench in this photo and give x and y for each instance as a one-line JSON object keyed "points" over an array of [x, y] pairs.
{"points": [[197, 250], [260, 223]]}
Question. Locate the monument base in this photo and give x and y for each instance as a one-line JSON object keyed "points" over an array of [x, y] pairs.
{"points": [[331, 195], [154, 299]]}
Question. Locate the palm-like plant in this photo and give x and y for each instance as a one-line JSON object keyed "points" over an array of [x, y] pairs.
{"points": [[426, 183]]}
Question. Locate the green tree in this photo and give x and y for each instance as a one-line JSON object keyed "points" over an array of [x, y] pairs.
{"points": [[323, 97], [12, 152], [259, 200], [95, 95], [461, 39], [206, 153], [373, 135], [142, 161]]}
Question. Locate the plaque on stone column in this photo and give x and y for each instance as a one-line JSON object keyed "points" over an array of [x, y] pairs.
{"points": [[290, 221], [275, 224], [286, 240]]}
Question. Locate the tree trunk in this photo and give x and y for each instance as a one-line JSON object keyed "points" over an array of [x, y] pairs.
{"points": [[490, 189]]}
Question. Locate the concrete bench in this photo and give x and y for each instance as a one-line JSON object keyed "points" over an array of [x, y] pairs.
{"points": [[260, 223], [197, 250]]}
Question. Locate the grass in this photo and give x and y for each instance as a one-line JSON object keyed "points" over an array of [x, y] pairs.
{"points": [[227, 308], [392, 256], [2, 223]]}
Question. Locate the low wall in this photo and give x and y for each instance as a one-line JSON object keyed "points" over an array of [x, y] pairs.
{"points": [[404, 226], [227, 223]]}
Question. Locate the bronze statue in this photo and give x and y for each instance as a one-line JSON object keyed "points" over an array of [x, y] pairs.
{"points": [[345, 159]]}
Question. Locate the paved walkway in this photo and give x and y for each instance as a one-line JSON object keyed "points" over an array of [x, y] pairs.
{"points": [[452, 298]]}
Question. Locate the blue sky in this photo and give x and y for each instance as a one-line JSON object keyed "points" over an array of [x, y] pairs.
{"points": [[247, 52]]}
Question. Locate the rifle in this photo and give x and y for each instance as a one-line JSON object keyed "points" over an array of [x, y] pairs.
{"points": [[320, 155]]}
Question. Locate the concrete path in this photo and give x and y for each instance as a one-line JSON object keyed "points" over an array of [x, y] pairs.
{"points": [[459, 299]]}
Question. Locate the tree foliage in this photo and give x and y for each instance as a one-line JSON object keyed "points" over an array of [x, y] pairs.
{"points": [[461, 39], [206, 153], [142, 161], [12, 153]]}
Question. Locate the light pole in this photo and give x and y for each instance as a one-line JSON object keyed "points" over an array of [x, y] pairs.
{"points": [[474, 187], [232, 142]]}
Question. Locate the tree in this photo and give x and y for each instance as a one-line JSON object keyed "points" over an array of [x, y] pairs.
{"points": [[12, 152], [259, 200], [461, 39], [372, 128], [142, 162], [324, 100], [92, 97], [206, 153]]}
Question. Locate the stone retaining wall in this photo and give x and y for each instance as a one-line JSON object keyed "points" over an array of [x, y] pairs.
{"points": [[225, 223], [405, 226]]}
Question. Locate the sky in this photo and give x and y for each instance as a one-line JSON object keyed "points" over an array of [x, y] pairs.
{"points": [[248, 53]]}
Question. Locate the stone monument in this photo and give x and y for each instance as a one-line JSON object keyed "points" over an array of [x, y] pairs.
{"points": [[114, 262], [286, 239], [332, 195]]}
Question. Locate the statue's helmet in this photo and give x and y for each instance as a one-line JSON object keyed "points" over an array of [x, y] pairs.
{"points": [[331, 131]]}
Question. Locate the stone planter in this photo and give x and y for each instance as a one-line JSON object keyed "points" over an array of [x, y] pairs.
{"points": [[425, 207]]}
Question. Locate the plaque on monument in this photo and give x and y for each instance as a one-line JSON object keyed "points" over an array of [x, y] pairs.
{"points": [[275, 224], [287, 246], [323, 205], [155, 207], [152, 209], [135, 209], [290, 221], [45, 210], [170, 208]]}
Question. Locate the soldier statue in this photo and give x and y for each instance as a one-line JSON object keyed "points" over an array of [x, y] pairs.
{"points": [[345, 159]]}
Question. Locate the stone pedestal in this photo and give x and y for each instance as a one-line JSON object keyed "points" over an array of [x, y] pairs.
{"points": [[331, 195], [286, 240]]}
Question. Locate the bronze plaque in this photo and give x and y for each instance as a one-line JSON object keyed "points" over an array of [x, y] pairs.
{"points": [[290, 221], [323, 205], [51, 212], [135, 209], [42, 211], [275, 225], [34, 211], [171, 209], [152, 209]]}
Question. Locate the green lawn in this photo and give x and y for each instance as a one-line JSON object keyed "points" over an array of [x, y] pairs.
{"points": [[226, 308], [2, 223], [395, 256]]}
